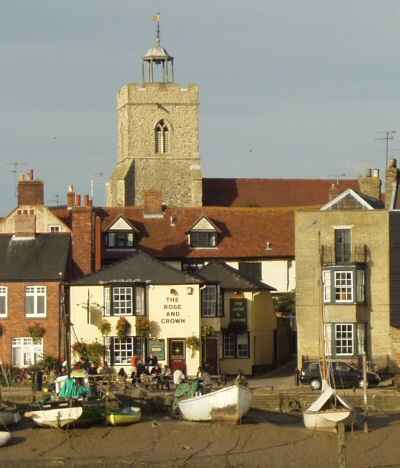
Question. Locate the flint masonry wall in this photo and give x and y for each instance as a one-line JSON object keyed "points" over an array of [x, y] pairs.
{"points": [[177, 173]]}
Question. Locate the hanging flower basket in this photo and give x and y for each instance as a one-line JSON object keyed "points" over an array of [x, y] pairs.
{"points": [[193, 343], [36, 332], [105, 327], [142, 326], [79, 349], [122, 327]]}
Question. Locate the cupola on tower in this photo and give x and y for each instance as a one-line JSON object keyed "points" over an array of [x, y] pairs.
{"points": [[158, 137]]}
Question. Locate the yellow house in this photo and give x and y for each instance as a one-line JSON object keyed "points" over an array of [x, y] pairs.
{"points": [[238, 321], [158, 305]]}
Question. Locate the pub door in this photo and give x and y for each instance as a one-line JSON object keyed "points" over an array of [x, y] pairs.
{"points": [[176, 353], [210, 355]]}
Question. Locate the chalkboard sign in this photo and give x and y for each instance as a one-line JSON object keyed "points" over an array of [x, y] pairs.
{"points": [[157, 348], [239, 310]]}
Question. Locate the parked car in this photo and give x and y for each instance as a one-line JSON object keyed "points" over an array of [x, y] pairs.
{"points": [[342, 375]]}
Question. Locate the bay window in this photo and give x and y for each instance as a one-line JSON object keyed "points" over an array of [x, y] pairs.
{"points": [[344, 286], [345, 339]]}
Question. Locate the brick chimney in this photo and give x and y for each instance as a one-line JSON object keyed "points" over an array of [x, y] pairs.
{"points": [[82, 240], [25, 226], [370, 184], [152, 204], [392, 175], [30, 191]]}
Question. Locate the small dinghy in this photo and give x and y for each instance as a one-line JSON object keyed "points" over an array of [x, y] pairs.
{"points": [[227, 404], [4, 438], [327, 411], [55, 415], [124, 416]]}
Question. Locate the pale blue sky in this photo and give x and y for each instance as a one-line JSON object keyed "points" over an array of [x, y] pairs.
{"points": [[288, 88]]}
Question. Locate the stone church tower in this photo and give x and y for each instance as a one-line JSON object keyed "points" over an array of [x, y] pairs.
{"points": [[158, 138]]}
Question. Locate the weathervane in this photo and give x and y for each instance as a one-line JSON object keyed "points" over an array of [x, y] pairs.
{"points": [[156, 19]]}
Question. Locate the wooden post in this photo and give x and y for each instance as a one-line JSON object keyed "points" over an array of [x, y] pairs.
{"points": [[365, 387], [341, 445]]}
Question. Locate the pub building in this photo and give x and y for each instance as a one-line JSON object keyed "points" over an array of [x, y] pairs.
{"points": [[220, 318]]}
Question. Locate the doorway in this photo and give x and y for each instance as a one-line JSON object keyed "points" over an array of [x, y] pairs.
{"points": [[176, 353], [210, 355]]}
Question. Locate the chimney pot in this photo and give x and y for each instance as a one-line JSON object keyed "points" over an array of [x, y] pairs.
{"points": [[30, 174], [86, 200], [78, 199]]}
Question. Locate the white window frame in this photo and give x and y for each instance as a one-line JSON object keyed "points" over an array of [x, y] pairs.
{"points": [[209, 301], [342, 286], [211, 239], [229, 340], [125, 348], [326, 281], [30, 351], [347, 336], [4, 293], [121, 305], [54, 228], [36, 292], [140, 303]]}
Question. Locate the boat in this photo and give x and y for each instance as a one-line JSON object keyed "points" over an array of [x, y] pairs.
{"points": [[125, 416], [55, 414], [227, 404], [327, 411], [4, 437]]}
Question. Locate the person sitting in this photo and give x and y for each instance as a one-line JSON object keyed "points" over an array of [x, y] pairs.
{"points": [[140, 369], [165, 377]]}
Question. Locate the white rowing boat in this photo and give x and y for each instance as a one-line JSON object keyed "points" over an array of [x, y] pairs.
{"points": [[327, 411], [55, 417], [4, 438], [227, 404]]}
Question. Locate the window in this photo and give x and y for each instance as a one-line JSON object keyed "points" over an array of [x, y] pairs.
{"points": [[203, 239], [26, 351], [161, 137], [54, 228], [236, 345], [120, 350], [119, 240], [192, 266], [209, 301], [343, 286], [342, 246], [344, 339], [124, 300], [35, 301], [251, 270], [3, 301]]}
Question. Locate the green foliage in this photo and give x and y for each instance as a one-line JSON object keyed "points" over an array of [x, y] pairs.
{"points": [[36, 331], [105, 327], [48, 362], [142, 326], [193, 343], [285, 302], [95, 352], [122, 327]]}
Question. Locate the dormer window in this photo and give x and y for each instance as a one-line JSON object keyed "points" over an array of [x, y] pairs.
{"points": [[121, 234], [203, 234], [161, 134]]}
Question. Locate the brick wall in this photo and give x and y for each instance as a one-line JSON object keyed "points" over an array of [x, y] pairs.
{"points": [[82, 241], [30, 192], [16, 324]]}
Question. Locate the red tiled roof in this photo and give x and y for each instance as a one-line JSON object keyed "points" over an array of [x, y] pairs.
{"points": [[271, 192], [244, 231]]}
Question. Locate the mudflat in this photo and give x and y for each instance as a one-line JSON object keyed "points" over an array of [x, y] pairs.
{"points": [[263, 440]]}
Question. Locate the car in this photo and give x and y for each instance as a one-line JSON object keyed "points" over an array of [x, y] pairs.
{"points": [[342, 375]]}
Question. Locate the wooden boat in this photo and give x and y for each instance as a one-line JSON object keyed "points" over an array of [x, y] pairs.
{"points": [[327, 411], [227, 404], [4, 437], [56, 415], [9, 417], [124, 416]]}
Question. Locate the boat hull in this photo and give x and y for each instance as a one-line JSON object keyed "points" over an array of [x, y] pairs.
{"points": [[326, 420], [4, 438], [227, 404], [124, 417], [56, 417]]}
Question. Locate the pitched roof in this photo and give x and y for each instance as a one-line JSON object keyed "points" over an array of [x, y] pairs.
{"points": [[39, 259], [230, 278], [244, 231], [141, 268], [272, 192]]}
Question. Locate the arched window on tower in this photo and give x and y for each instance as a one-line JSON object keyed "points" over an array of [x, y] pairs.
{"points": [[161, 137]]}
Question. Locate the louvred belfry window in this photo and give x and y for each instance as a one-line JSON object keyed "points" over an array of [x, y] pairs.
{"points": [[161, 137]]}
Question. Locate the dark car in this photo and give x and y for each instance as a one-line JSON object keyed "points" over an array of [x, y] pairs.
{"points": [[342, 375]]}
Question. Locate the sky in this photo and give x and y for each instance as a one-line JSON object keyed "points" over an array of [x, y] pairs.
{"points": [[288, 88]]}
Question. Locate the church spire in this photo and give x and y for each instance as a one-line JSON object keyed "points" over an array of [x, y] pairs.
{"points": [[157, 65]]}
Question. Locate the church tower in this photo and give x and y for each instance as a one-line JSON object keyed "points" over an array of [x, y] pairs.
{"points": [[158, 137]]}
